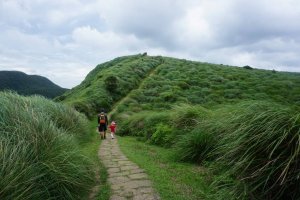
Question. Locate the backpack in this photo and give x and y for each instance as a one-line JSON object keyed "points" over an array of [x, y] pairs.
{"points": [[102, 119]]}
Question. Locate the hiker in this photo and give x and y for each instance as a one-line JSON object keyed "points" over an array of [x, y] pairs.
{"points": [[102, 124], [113, 127]]}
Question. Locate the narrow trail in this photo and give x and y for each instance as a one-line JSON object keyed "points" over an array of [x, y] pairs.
{"points": [[128, 181], [120, 102]]}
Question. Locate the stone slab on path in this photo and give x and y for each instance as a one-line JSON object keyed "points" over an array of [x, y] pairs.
{"points": [[128, 181]]}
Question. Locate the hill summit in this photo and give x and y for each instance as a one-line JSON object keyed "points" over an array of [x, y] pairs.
{"points": [[158, 83]]}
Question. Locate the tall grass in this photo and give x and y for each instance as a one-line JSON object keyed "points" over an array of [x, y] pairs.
{"points": [[185, 127], [187, 117], [196, 146], [39, 153], [261, 148], [142, 124], [254, 145]]}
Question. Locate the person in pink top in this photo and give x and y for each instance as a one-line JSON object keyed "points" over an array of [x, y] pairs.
{"points": [[113, 127]]}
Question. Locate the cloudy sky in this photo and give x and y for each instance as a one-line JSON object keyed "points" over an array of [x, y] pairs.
{"points": [[65, 39]]}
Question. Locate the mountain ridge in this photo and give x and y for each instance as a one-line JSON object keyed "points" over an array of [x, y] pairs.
{"points": [[178, 81], [26, 84]]}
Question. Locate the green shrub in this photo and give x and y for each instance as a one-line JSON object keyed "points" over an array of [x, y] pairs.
{"points": [[232, 93], [163, 135], [247, 67], [183, 85], [142, 124], [111, 84], [168, 96], [83, 108], [196, 146], [121, 108], [186, 117]]}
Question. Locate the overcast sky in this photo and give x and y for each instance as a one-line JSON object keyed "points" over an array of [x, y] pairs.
{"points": [[64, 39]]}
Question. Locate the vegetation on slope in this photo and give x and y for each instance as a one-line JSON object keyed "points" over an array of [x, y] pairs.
{"points": [[180, 81], [39, 150], [175, 81], [29, 84], [255, 145], [242, 123], [259, 145], [109, 82]]}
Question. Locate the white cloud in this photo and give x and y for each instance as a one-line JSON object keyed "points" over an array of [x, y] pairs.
{"points": [[52, 38], [15, 40], [193, 30], [91, 37]]}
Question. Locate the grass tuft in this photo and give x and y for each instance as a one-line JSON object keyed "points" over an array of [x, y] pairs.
{"points": [[261, 149], [39, 151]]}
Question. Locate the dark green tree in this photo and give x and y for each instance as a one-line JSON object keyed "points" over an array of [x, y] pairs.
{"points": [[111, 83]]}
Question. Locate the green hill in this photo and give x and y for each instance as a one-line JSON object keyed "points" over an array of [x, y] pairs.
{"points": [[109, 82], [241, 124], [29, 84], [169, 81]]}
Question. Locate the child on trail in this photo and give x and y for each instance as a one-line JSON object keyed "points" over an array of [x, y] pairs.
{"points": [[102, 124], [113, 127]]}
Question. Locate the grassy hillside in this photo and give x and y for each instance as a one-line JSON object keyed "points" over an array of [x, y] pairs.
{"points": [[242, 124], [109, 82], [40, 155], [29, 84], [180, 81], [169, 81]]}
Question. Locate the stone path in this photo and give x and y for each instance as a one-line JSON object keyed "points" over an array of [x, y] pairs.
{"points": [[127, 180]]}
